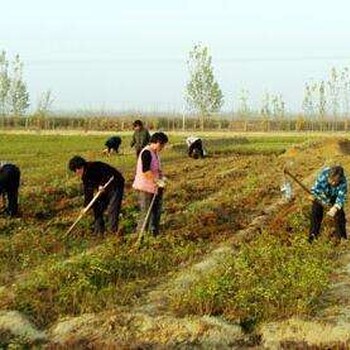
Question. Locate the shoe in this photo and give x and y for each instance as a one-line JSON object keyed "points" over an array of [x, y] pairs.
{"points": [[98, 232], [154, 233], [311, 238]]}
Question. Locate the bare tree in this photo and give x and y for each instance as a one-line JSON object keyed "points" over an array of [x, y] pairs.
{"points": [[334, 92], [45, 103], [243, 108], [322, 103], [345, 87], [265, 109], [277, 106], [308, 104]]}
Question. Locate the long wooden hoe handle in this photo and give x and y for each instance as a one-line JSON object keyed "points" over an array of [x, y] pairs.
{"points": [[297, 181], [140, 236], [86, 209]]}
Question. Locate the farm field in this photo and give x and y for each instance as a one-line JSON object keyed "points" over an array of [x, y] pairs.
{"points": [[231, 260]]}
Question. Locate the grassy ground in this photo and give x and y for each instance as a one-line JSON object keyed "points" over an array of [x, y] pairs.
{"points": [[47, 276]]}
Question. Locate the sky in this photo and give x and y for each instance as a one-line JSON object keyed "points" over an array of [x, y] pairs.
{"points": [[113, 55]]}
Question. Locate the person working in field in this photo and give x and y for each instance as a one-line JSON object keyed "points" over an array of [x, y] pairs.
{"points": [[140, 137], [148, 182], [112, 145], [95, 175], [9, 185], [329, 191], [195, 147]]}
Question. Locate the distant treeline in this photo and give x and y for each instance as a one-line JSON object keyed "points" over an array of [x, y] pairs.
{"points": [[175, 123]]}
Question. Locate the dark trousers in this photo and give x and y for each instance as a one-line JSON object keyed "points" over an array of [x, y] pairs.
{"points": [[110, 202], [113, 143], [317, 212], [196, 148], [145, 200], [9, 184]]}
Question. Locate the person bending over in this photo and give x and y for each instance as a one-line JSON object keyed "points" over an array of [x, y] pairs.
{"points": [[112, 145], [195, 147], [329, 190], [9, 184], [94, 175]]}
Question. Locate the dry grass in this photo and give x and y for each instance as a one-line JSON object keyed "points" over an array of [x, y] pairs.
{"points": [[312, 334]]}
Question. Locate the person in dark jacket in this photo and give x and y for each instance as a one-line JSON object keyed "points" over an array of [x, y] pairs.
{"points": [[140, 137], [112, 145], [9, 184], [94, 175], [329, 190], [195, 147]]}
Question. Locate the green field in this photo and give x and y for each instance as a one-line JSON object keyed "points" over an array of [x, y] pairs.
{"points": [[46, 275]]}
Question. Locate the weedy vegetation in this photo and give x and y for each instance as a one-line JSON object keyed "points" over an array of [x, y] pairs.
{"points": [[271, 275]]}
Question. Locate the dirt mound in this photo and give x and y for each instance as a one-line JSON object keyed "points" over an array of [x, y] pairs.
{"points": [[141, 331], [344, 146], [328, 151], [301, 334], [336, 146]]}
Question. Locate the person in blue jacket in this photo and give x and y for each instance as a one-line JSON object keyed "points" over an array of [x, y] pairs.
{"points": [[329, 191]]}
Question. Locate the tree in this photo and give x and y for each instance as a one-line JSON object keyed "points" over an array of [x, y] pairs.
{"points": [[244, 109], [278, 106], [345, 82], [322, 103], [308, 103], [44, 105], [203, 93], [265, 109], [18, 95], [5, 82]]}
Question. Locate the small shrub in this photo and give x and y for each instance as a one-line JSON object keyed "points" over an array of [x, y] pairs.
{"points": [[110, 275], [267, 279]]}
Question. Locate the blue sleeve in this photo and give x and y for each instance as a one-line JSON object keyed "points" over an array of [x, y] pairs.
{"points": [[319, 187], [342, 192]]}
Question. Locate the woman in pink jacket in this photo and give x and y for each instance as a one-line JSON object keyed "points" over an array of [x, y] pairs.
{"points": [[148, 182]]}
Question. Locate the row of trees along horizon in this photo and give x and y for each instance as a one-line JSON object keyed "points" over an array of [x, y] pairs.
{"points": [[325, 105]]}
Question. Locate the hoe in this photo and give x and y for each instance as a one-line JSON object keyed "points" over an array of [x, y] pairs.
{"points": [[287, 187], [141, 233], [86, 209], [286, 172], [160, 184]]}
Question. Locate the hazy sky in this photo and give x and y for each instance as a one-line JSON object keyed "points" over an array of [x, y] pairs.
{"points": [[131, 54]]}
